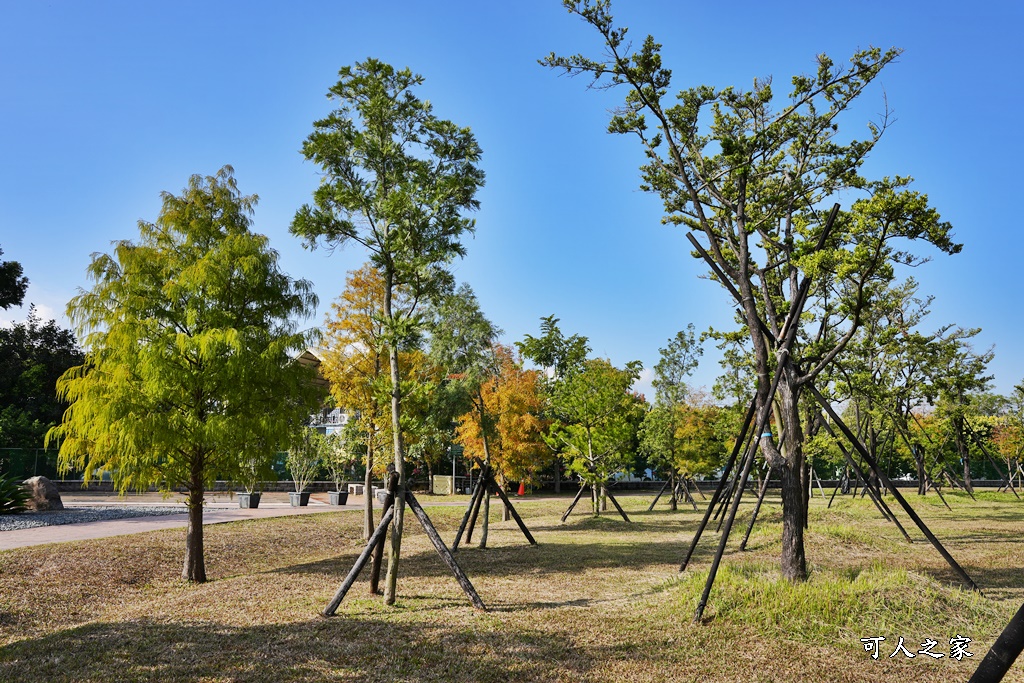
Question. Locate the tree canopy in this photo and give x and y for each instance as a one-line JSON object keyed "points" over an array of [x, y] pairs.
{"points": [[13, 284], [748, 172], [33, 355], [188, 334]]}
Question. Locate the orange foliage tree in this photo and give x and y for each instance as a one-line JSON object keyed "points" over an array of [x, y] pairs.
{"points": [[512, 405]]}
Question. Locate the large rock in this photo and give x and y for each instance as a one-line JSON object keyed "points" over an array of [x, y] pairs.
{"points": [[43, 495]]}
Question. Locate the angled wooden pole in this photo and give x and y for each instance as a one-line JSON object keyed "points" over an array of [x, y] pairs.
{"points": [[465, 517], [575, 500], [892, 488], [378, 553], [476, 506], [376, 539], [1003, 652], [740, 439], [762, 421], [697, 487], [655, 501], [1006, 480], [739, 487], [443, 551], [757, 508], [615, 503], [515, 514], [879, 502], [686, 493]]}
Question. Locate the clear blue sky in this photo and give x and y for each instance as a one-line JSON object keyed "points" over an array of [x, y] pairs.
{"points": [[103, 105]]}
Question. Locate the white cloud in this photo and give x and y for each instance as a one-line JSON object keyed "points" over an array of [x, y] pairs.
{"points": [[643, 384]]}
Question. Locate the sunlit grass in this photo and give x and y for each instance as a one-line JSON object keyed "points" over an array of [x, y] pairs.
{"points": [[597, 600]]}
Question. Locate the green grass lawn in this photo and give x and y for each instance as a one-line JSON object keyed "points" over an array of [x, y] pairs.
{"points": [[596, 600]]}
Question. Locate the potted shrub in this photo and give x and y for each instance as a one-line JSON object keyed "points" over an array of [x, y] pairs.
{"points": [[337, 461], [304, 460], [250, 476]]}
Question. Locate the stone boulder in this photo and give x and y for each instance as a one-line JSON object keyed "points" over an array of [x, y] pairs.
{"points": [[43, 495]]}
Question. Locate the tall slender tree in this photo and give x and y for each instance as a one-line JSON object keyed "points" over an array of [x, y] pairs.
{"points": [[397, 180], [748, 176], [187, 334]]}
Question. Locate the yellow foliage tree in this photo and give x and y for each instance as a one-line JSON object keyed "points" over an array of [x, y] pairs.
{"points": [[355, 363]]}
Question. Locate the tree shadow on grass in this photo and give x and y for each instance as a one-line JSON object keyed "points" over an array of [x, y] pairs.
{"points": [[342, 648]]}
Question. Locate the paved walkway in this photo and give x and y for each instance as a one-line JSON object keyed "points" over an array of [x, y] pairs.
{"points": [[220, 508]]}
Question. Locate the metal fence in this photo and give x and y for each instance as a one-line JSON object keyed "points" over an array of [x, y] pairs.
{"points": [[30, 462]]}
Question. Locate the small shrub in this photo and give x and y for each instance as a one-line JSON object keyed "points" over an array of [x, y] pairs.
{"points": [[13, 496]]}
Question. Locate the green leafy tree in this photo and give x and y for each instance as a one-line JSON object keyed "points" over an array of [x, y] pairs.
{"points": [[33, 355], [187, 334], [596, 421], [659, 435], [558, 355], [397, 180], [962, 379], [13, 284], [747, 175]]}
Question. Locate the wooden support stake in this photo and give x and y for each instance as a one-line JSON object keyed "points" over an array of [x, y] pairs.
{"points": [[378, 553], [476, 507], [697, 486], [655, 501], [465, 517], [757, 508], [762, 421], [686, 492], [1003, 652], [616, 504], [992, 460], [515, 514], [721, 484], [443, 551], [892, 488], [879, 502], [575, 500], [376, 539]]}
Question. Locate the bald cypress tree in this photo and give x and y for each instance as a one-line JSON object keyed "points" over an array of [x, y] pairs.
{"points": [[188, 334]]}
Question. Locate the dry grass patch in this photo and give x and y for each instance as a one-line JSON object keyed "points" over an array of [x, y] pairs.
{"points": [[597, 600]]}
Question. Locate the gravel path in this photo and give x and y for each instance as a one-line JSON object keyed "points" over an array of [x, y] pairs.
{"points": [[73, 515]]}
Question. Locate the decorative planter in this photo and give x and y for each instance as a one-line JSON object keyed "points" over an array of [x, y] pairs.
{"points": [[248, 500], [299, 499], [338, 497]]}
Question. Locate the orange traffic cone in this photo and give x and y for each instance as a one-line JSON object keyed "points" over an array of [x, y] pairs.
{"points": [[522, 488]]}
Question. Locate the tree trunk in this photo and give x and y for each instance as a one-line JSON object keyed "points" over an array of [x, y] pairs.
{"points": [[558, 475], [794, 564], [194, 569], [397, 522], [792, 476], [673, 503], [922, 475]]}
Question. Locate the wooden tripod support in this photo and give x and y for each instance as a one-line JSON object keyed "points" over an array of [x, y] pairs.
{"points": [[584, 487], [375, 547], [485, 484]]}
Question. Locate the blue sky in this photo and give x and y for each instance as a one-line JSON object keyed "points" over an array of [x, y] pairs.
{"points": [[106, 104]]}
